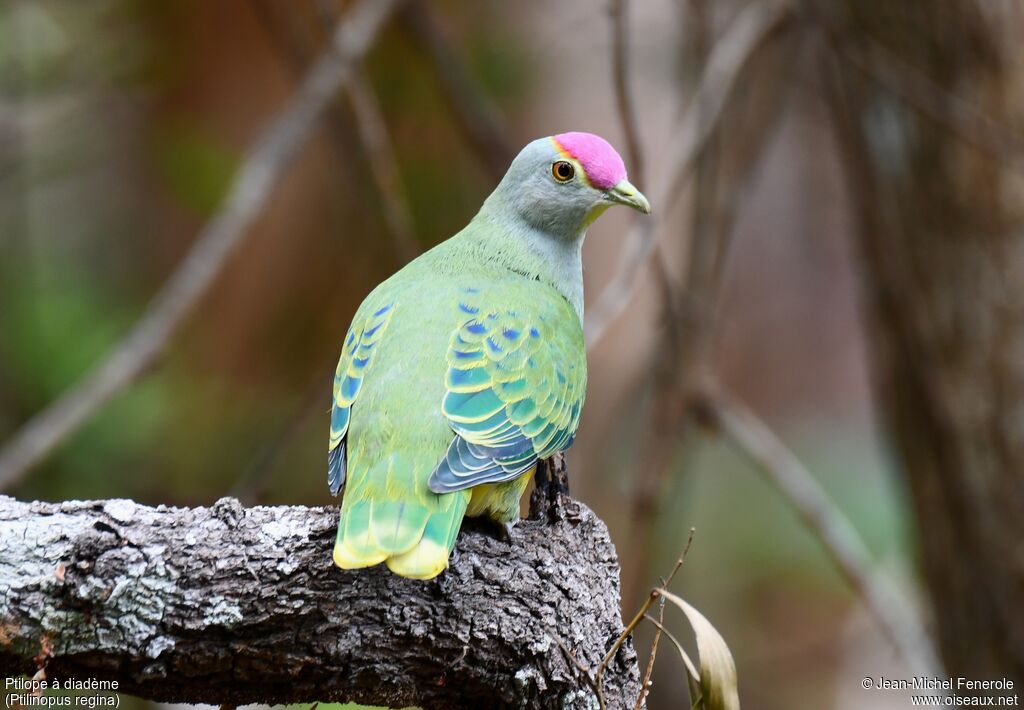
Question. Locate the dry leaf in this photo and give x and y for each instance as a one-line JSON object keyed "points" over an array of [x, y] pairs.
{"points": [[719, 686]]}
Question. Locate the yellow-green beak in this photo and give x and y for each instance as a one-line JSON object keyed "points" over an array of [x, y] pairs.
{"points": [[625, 194]]}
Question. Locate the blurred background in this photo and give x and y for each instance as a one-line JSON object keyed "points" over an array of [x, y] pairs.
{"points": [[830, 287]]}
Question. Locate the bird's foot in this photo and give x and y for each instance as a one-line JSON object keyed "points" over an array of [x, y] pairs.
{"points": [[490, 527], [506, 531], [502, 531]]}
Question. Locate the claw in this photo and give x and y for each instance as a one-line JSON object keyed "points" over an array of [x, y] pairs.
{"points": [[501, 531], [506, 531]]}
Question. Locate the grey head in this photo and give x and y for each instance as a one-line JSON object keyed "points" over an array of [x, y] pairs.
{"points": [[560, 184]]}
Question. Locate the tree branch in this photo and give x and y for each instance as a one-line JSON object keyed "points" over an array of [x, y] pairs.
{"points": [[471, 109], [897, 618], [945, 107], [233, 605], [260, 173], [383, 165], [682, 358], [624, 90], [279, 22], [382, 162], [725, 64]]}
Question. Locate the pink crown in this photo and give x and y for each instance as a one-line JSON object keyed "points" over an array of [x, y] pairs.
{"points": [[602, 164]]}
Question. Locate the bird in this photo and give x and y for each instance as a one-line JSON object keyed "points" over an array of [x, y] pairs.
{"points": [[468, 366]]}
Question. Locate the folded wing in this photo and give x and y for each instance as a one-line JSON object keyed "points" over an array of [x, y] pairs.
{"points": [[356, 356], [514, 391]]}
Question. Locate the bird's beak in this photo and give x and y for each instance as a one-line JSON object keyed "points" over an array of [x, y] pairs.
{"points": [[625, 194]]}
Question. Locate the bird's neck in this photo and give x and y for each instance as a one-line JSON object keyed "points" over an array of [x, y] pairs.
{"points": [[505, 243]]}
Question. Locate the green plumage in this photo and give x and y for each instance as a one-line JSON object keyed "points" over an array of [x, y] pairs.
{"points": [[395, 404]]}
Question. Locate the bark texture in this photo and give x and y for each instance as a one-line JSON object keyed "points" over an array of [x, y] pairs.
{"points": [[921, 92], [232, 605]]}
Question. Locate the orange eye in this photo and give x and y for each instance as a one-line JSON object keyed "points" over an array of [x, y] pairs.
{"points": [[563, 171]]}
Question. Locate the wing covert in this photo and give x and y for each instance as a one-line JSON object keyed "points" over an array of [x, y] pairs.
{"points": [[514, 392]]}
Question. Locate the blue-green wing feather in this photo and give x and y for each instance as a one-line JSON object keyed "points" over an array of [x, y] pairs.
{"points": [[514, 393], [336, 468], [356, 357]]}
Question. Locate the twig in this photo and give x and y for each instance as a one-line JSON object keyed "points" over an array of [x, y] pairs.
{"points": [[645, 684], [692, 674], [623, 89], [844, 546], [260, 173], [681, 560], [639, 616], [660, 625], [729, 56], [474, 113]]}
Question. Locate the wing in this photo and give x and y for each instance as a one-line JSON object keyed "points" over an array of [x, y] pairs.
{"points": [[356, 357], [514, 392]]}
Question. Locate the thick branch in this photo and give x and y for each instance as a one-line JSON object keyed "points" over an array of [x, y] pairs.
{"points": [[233, 605]]}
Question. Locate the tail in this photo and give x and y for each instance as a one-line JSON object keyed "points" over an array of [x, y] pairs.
{"points": [[414, 537]]}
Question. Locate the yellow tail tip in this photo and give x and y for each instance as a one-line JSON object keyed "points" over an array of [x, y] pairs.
{"points": [[425, 561], [347, 559]]}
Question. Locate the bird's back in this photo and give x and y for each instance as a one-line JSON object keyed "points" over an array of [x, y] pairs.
{"points": [[397, 432]]}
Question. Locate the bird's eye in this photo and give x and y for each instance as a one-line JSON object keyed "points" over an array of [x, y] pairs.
{"points": [[563, 171]]}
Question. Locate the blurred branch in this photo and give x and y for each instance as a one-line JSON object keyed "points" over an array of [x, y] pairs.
{"points": [[897, 618], [260, 173], [370, 127], [376, 140], [681, 357], [251, 486], [627, 117], [920, 91], [383, 164], [233, 605], [937, 231], [686, 389], [475, 115], [623, 88], [729, 56]]}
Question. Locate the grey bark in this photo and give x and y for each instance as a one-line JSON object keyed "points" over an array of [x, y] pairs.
{"points": [[233, 605], [920, 93]]}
